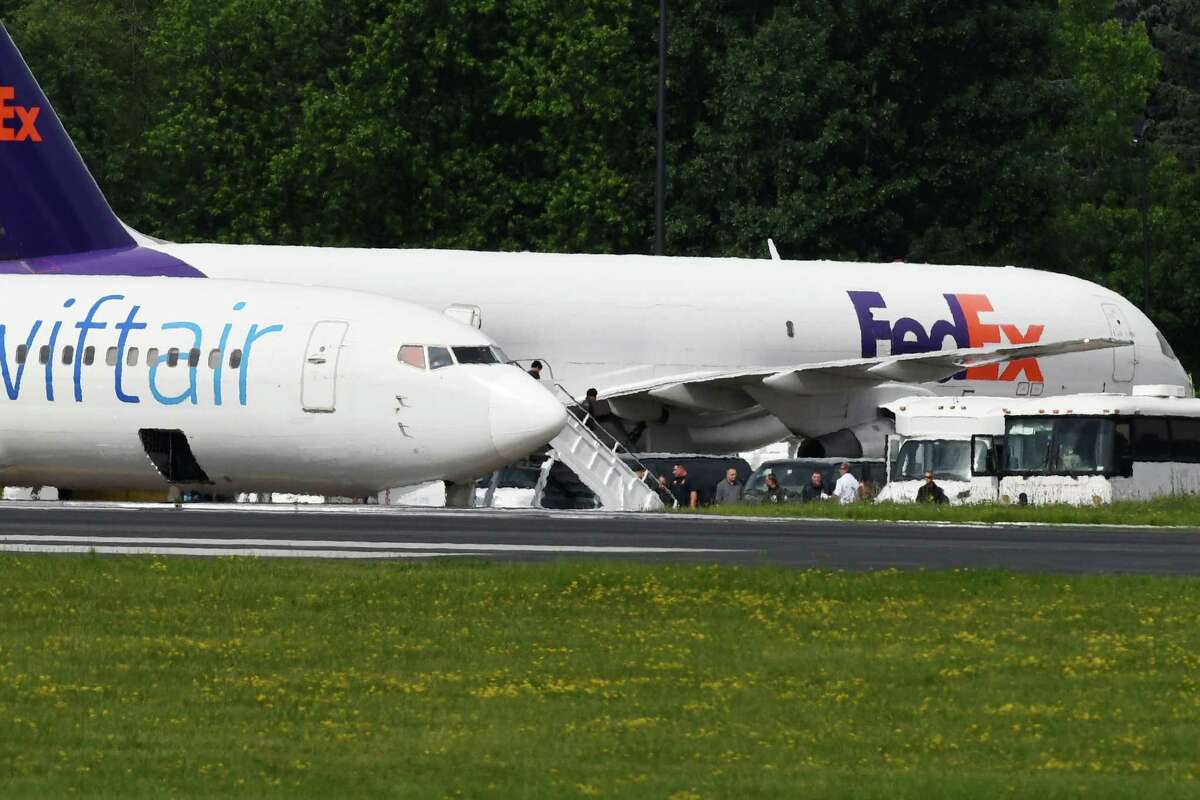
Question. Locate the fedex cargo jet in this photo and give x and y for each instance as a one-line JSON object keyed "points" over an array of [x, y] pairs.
{"points": [[721, 354], [122, 367]]}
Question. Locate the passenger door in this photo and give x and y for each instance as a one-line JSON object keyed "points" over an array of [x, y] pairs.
{"points": [[1123, 360], [318, 390]]}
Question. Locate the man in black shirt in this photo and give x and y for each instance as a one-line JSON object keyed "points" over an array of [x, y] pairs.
{"points": [[814, 489], [681, 488], [930, 492], [535, 369], [596, 408], [774, 492]]}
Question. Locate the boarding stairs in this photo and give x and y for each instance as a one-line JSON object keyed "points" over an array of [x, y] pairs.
{"points": [[599, 460]]}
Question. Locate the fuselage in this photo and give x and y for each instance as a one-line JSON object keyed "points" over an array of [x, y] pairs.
{"points": [[609, 321], [104, 380]]}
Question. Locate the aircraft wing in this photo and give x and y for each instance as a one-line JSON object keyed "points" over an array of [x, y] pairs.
{"points": [[718, 390]]}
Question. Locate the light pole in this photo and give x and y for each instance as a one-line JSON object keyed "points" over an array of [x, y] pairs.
{"points": [[1139, 139], [660, 179]]}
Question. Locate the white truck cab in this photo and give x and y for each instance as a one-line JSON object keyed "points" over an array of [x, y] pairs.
{"points": [[952, 438]]}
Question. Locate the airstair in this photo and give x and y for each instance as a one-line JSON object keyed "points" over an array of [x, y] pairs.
{"points": [[596, 457], [600, 461]]}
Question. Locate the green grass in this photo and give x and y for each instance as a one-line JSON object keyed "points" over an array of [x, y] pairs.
{"points": [[134, 677], [1167, 511]]}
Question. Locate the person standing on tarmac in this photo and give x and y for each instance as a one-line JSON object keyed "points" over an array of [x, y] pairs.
{"points": [[729, 491], [846, 488], [682, 490], [814, 489], [930, 492], [774, 494]]}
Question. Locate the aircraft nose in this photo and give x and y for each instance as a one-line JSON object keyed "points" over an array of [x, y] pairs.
{"points": [[523, 415]]}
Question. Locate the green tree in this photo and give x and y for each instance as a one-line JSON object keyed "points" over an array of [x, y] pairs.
{"points": [[871, 130], [1107, 71], [1174, 30], [445, 124], [1173, 27]]}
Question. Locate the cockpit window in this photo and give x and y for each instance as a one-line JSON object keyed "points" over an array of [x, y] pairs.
{"points": [[413, 355], [475, 355], [500, 355], [440, 357], [1166, 347]]}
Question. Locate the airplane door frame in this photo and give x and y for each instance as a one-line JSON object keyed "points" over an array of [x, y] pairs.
{"points": [[318, 382], [1123, 360]]}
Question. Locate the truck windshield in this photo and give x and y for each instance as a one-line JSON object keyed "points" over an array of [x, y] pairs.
{"points": [[1061, 446], [947, 459]]}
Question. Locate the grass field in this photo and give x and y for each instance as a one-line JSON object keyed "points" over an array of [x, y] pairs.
{"points": [[136, 677], [1167, 511]]}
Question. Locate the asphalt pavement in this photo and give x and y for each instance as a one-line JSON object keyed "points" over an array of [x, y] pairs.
{"points": [[527, 535]]}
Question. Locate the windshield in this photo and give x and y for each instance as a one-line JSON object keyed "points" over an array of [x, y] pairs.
{"points": [[475, 355], [1165, 346], [1066, 445], [947, 459], [440, 357], [791, 476]]}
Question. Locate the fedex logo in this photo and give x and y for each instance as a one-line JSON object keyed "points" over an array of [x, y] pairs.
{"points": [[25, 118], [965, 328]]}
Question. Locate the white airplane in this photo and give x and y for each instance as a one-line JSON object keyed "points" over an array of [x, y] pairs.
{"points": [[112, 379], [705, 363], [721, 355]]}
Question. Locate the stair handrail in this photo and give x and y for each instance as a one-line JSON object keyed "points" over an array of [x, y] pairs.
{"points": [[614, 444]]}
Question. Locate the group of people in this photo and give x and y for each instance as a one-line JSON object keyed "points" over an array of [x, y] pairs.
{"points": [[845, 489], [729, 491]]}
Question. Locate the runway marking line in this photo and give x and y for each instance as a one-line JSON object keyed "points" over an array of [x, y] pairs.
{"points": [[219, 551], [309, 544]]}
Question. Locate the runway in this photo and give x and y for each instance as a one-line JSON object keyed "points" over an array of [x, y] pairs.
{"points": [[372, 532]]}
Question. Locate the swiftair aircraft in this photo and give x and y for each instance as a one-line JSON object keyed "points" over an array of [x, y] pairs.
{"points": [[113, 379], [721, 354]]}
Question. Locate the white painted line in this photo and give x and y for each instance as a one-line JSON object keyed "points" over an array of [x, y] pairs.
{"points": [[297, 544], [215, 551], [931, 523], [316, 508]]}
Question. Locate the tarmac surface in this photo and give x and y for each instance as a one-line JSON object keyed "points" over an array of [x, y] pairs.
{"points": [[526, 535]]}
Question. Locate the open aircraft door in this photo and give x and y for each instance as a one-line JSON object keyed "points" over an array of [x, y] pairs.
{"points": [[318, 390], [1123, 357]]}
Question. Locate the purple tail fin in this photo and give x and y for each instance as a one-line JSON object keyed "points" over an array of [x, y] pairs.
{"points": [[49, 203]]}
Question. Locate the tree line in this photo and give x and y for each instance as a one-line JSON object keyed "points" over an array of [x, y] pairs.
{"points": [[996, 132]]}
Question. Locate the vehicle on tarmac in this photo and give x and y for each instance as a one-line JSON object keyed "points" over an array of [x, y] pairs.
{"points": [[794, 473], [934, 434], [1100, 449], [1086, 449]]}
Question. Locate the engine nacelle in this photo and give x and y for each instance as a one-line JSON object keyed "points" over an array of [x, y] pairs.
{"points": [[868, 440]]}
